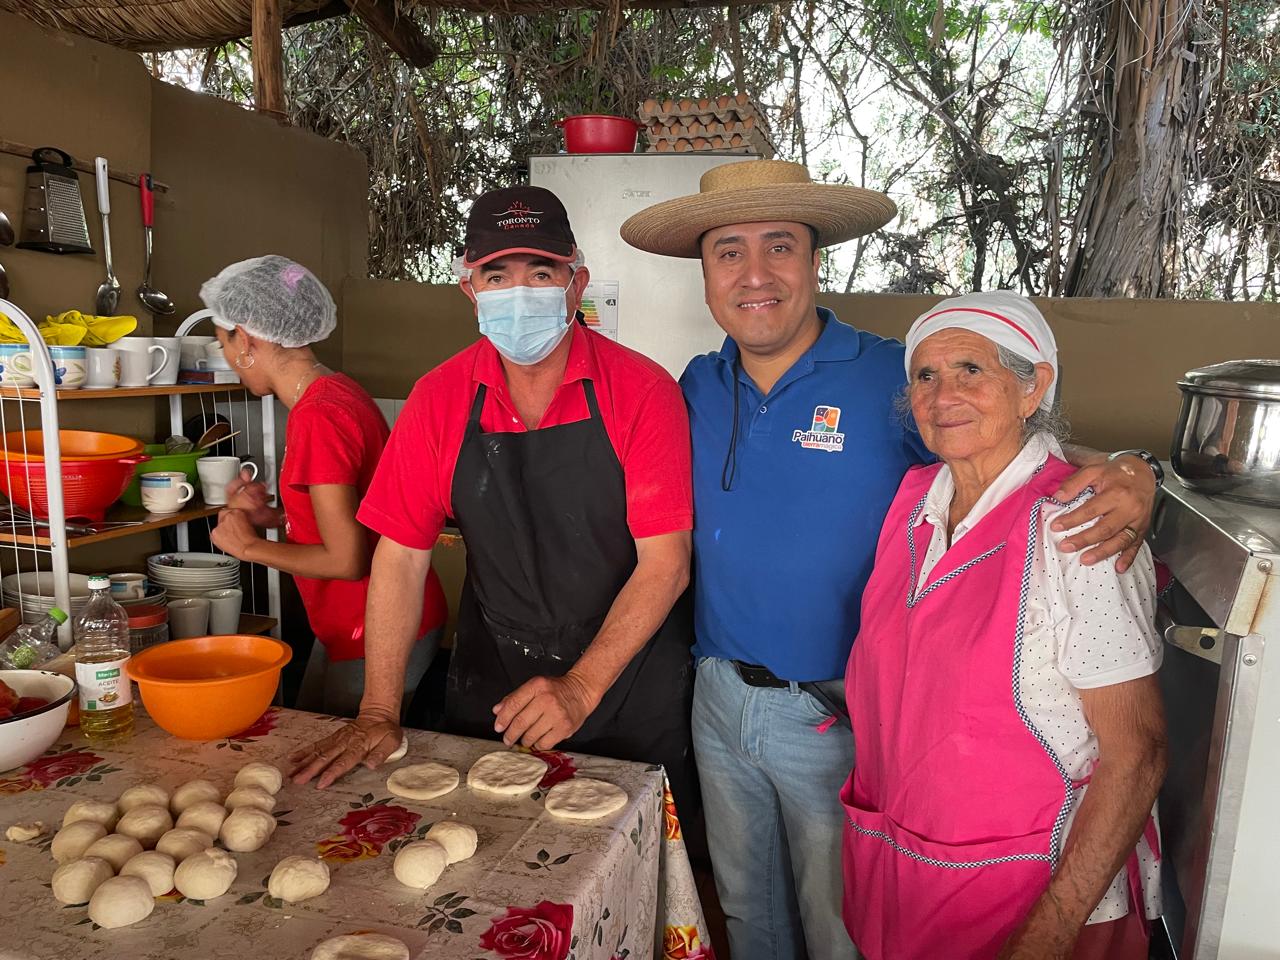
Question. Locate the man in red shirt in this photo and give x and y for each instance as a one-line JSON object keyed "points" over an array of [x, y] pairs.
{"points": [[564, 459]]}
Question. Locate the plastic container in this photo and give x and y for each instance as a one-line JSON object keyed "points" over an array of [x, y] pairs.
{"points": [[148, 625], [162, 462], [209, 687], [74, 444], [88, 486], [33, 644], [102, 656], [597, 133]]}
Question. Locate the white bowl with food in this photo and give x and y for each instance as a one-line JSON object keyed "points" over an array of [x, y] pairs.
{"points": [[33, 712]]}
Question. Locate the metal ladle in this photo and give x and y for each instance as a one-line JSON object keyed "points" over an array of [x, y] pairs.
{"points": [[155, 301], [108, 298]]}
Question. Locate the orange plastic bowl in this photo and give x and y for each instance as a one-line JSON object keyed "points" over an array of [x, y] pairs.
{"points": [[209, 687], [75, 444]]}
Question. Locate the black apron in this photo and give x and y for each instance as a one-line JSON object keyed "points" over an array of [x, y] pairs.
{"points": [[544, 517]]}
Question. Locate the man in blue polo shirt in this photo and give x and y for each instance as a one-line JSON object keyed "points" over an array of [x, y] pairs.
{"points": [[797, 453]]}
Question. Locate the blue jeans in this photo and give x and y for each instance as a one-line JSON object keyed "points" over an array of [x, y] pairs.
{"points": [[771, 790]]}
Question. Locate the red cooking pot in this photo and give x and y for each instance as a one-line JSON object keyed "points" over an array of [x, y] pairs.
{"points": [[596, 133]]}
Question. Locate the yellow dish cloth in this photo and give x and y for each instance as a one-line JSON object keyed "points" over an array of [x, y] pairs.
{"points": [[73, 328]]}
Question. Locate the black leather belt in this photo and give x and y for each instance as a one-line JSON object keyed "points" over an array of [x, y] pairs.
{"points": [[754, 675]]}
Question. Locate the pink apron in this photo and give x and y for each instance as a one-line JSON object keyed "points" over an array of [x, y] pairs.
{"points": [[956, 806]]}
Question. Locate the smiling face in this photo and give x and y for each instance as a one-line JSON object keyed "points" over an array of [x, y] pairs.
{"points": [[761, 281], [967, 405]]}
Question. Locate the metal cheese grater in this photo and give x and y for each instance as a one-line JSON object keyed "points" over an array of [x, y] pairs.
{"points": [[53, 218]]}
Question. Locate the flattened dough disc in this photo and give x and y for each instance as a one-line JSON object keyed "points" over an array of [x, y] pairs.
{"points": [[423, 781], [362, 946], [506, 772], [584, 799]]}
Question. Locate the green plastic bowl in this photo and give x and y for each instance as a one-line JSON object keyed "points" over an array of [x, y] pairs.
{"points": [[161, 462]]}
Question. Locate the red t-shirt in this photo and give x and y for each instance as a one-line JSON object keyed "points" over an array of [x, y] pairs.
{"points": [[641, 406], [335, 435]]}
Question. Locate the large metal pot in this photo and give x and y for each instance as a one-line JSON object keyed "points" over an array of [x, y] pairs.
{"points": [[1227, 440]]}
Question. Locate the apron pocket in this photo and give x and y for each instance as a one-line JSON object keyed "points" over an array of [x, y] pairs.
{"points": [[908, 898]]}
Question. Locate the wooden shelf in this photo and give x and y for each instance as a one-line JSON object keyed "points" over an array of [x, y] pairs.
{"points": [[120, 393], [256, 624], [194, 510]]}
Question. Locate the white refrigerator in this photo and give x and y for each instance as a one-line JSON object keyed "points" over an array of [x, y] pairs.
{"points": [[650, 303]]}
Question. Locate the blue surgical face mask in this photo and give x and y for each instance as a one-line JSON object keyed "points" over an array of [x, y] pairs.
{"points": [[524, 323]]}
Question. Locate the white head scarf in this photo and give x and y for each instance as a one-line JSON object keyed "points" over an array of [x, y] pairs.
{"points": [[1003, 317]]}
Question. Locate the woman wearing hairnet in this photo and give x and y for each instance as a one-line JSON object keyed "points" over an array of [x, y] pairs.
{"points": [[268, 312]]}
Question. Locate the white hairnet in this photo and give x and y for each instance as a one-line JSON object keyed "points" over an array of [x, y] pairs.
{"points": [[273, 298], [463, 272]]}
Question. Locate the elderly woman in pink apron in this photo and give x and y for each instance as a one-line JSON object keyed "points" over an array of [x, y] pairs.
{"points": [[1008, 725]]}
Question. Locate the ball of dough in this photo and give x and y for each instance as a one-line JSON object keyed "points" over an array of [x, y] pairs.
{"points": [[298, 878], [399, 752], [75, 881], [458, 839], [423, 781], [116, 849], [361, 946], [419, 864], [250, 797], [192, 792], [74, 839], [205, 816], [154, 867], [121, 901], [205, 875], [506, 772], [246, 829], [183, 842], [146, 824], [143, 795], [584, 799], [97, 811], [264, 775], [22, 832]]}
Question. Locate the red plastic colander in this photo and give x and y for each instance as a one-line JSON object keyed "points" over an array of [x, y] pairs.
{"points": [[88, 486]]}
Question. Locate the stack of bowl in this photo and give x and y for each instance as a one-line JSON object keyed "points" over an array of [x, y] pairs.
{"points": [[187, 575]]}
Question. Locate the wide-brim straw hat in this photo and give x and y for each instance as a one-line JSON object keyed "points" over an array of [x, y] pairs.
{"points": [[757, 191]]}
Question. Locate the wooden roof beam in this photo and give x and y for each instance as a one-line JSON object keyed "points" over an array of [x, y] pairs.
{"points": [[399, 32]]}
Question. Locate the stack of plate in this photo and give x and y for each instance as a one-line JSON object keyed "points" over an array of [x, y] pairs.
{"points": [[186, 575], [32, 594]]}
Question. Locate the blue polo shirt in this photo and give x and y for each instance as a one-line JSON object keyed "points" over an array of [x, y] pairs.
{"points": [[782, 557]]}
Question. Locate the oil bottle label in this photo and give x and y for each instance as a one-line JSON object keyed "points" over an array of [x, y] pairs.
{"points": [[103, 686]]}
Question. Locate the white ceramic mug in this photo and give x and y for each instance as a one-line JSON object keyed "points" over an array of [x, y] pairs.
{"points": [[137, 368], [104, 368], [165, 491], [193, 349], [217, 472], [128, 586], [188, 618], [70, 367], [15, 365], [172, 360], [157, 356], [224, 611]]}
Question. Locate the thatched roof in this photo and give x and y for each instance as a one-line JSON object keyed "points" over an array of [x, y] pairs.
{"points": [[175, 24]]}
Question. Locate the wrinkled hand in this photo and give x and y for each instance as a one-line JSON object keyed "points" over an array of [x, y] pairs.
{"points": [[251, 497], [367, 739], [1039, 939], [543, 711], [1123, 499], [234, 534]]}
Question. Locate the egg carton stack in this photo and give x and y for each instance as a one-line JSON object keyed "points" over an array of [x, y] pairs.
{"points": [[723, 125]]}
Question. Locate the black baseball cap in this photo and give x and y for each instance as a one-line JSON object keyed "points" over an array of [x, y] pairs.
{"points": [[518, 220]]}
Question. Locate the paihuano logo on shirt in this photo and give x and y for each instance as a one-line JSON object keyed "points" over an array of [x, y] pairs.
{"points": [[824, 433]]}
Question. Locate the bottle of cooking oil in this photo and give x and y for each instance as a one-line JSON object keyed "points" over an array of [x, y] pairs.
{"points": [[102, 650]]}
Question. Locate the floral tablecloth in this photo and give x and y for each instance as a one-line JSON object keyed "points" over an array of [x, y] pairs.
{"points": [[538, 888]]}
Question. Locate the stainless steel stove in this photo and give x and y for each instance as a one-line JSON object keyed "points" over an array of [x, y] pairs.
{"points": [[1220, 808]]}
